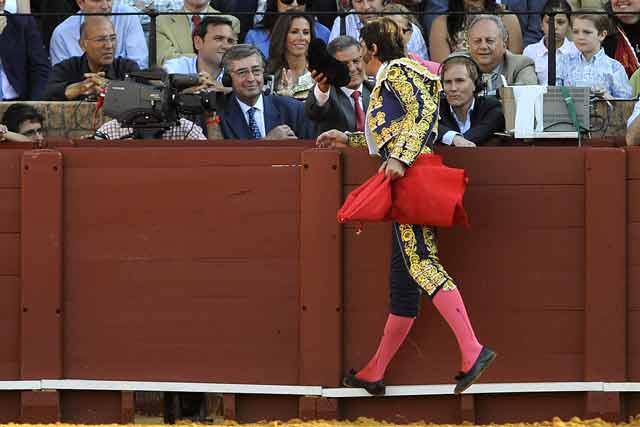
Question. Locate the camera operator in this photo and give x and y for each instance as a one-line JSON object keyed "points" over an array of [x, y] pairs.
{"points": [[84, 76]]}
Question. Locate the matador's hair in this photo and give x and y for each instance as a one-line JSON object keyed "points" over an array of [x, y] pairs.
{"points": [[386, 35]]}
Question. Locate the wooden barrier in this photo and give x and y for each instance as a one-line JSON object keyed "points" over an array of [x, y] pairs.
{"points": [[223, 263]]}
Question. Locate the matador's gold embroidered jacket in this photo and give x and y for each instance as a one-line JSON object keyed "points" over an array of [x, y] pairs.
{"points": [[403, 111]]}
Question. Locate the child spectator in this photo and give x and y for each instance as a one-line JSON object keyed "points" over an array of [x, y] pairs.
{"points": [[539, 51], [22, 119], [591, 67]]}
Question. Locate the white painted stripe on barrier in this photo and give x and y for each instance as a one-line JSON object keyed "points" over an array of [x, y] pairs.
{"points": [[493, 388], [399, 390], [629, 387], [20, 385], [177, 386]]}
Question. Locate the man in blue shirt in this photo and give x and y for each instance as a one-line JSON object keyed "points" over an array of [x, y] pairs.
{"points": [[214, 37], [131, 41]]}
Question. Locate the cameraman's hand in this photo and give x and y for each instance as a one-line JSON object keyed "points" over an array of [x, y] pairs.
{"points": [[281, 132], [321, 81]]}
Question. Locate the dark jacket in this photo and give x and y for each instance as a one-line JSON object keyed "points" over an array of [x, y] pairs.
{"points": [[337, 112], [278, 110], [24, 57], [72, 70], [486, 118]]}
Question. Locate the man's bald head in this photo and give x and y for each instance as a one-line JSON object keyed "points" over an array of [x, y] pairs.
{"points": [[98, 40], [94, 22]]}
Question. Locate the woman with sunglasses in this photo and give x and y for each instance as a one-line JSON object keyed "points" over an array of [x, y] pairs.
{"points": [[260, 36], [449, 32], [290, 41]]}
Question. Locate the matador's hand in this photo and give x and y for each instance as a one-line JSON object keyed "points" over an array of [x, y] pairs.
{"points": [[393, 168]]}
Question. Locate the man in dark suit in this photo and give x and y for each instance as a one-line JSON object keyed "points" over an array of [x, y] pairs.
{"points": [[248, 114], [24, 66], [466, 120], [340, 108], [85, 76]]}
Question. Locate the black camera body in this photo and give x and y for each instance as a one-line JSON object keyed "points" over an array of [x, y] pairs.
{"points": [[152, 99]]}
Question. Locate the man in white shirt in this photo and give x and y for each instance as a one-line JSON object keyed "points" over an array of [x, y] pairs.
{"points": [[212, 40]]}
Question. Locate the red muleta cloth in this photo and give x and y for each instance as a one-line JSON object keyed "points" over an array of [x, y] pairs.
{"points": [[430, 193]]}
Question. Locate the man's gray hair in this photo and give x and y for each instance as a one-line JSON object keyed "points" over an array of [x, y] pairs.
{"points": [[240, 51], [496, 20], [341, 43]]}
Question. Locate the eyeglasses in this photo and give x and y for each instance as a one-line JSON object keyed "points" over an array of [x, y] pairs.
{"points": [[288, 2], [105, 39], [243, 73], [33, 132]]}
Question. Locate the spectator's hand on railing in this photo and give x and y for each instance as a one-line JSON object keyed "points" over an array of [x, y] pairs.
{"points": [[281, 132], [460, 141], [321, 81], [331, 139], [5, 135]]}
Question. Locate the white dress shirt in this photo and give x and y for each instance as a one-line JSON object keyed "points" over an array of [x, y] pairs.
{"points": [[464, 126], [258, 115], [8, 92]]}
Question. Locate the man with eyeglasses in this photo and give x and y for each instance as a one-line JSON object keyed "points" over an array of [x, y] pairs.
{"points": [[80, 77], [212, 40], [340, 108], [21, 123], [248, 113], [132, 43]]}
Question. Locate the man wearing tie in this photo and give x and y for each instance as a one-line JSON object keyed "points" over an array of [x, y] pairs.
{"points": [[248, 114], [340, 108]]}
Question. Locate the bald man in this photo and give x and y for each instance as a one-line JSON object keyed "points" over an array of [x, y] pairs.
{"points": [[84, 76]]}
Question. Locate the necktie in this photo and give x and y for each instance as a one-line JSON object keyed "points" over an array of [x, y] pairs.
{"points": [[195, 19], [253, 125], [359, 112]]}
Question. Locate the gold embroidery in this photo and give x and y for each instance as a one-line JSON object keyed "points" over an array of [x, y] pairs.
{"points": [[356, 139], [418, 92], [428, 273]]}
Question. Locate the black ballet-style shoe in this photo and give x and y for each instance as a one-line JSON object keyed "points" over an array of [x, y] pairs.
{"points": [[465, 380], [375, 388]]}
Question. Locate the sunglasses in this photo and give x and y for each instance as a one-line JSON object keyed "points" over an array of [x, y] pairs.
{"points": [[288, 2]]}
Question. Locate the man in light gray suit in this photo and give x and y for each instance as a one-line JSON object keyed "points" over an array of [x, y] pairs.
{"points": [[488, 47], [340, 108]]}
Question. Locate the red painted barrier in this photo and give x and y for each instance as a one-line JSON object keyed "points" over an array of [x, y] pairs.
{"points": [[224, 263]]}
